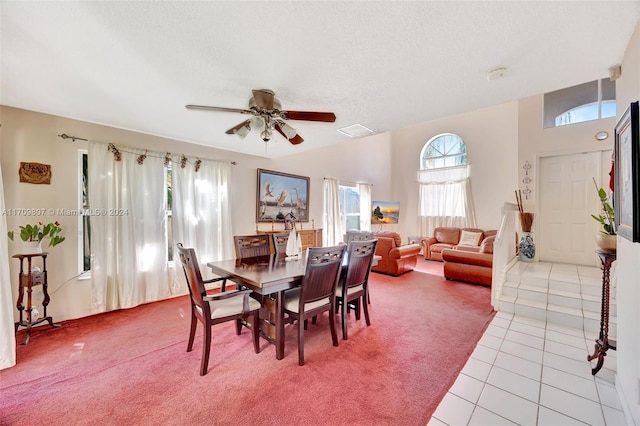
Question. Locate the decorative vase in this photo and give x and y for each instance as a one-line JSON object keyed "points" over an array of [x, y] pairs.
{"points": [[607, 243], [31, 247], [526, 247]]}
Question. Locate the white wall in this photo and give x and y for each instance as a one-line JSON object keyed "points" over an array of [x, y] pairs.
{"points": [[628, 263], [32, 137], [491, 136]]}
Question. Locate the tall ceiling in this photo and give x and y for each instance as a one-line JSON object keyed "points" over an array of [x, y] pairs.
{"points": [[384, 65]]}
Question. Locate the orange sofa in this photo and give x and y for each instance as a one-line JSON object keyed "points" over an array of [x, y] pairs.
{"points": [[396, 258], [466, 264], [447, 238]]}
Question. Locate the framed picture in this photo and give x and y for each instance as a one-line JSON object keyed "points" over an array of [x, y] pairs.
{"points": [[281, 196], [385, 212], [627, 179]]}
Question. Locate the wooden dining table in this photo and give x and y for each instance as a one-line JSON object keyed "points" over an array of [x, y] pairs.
{"points": [[268, 276]]}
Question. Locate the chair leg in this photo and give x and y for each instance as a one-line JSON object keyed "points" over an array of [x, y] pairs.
{"points": [[238, 327], [357, 309], [206, 348], [332, 326], [343, 317], [192, 332], [301, 328], [255, 320], [365, 308]]}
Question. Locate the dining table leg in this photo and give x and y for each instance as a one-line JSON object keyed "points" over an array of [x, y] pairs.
{"points": [[280, 325]]}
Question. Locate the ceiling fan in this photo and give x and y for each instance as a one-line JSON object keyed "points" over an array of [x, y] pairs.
{"points": [[268, 116]]}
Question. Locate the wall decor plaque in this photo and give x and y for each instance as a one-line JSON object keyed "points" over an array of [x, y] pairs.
{"points": [[35, 173]]}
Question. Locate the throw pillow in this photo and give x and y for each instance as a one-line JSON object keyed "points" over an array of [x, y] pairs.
{"points": [[470, 238], [487, 244]]}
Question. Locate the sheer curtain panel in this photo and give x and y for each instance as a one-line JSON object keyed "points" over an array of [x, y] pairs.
{"points": [[365, 206], [128, 237], [201, 212], [331, 218], [7, 336], [444, 199]]}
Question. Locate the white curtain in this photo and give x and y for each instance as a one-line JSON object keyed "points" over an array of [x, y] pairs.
{"points": [[128, 230], [365, 206], [202, 213], [7, 336], [444, 199], [331, 218]]}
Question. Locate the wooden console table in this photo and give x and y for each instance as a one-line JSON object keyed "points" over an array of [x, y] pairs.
{"points": [[603, 343], [29, 280], [308, 237]]}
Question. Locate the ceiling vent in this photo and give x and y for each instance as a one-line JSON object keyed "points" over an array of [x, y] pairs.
{"points": [[355, 131]]}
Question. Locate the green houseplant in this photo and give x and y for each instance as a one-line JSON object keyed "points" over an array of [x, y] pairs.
{"points": [[606, 239], [40, 231]]}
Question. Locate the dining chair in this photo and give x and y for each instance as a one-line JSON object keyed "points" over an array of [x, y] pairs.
{"points": [[316, 294], [215, 309], [280, 241], [352, 290], [252, 246]]}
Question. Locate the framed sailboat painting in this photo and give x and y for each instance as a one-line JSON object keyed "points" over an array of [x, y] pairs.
{"points": [[281, 196]]}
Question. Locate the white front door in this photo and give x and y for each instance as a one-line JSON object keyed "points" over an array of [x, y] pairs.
{"points": [[568, 196]]}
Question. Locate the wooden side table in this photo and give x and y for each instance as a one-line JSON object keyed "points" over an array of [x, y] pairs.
{"points": [[29, 280], [603, 343]]}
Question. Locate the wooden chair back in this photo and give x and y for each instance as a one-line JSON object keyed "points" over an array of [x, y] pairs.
{"points": [[359, 256], [252, 246], [195, 283], [322, 273], [280, 242]]}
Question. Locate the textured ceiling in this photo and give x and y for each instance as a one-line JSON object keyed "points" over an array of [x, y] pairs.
{"points": [[385, 65]]}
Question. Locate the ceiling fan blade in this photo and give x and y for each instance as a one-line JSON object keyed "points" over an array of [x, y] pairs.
{"points": [[327, 117], [280, 128], [264, 98], [237, 128], [213, 108]]}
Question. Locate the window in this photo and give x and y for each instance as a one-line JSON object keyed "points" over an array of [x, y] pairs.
{"points": [[84, 220], [168, 214], [444, 195], [349, 207], [84, 224], [444, 150], [584, 102]]}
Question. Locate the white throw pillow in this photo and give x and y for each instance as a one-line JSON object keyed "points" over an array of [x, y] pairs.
{"points": [[469, 238]]}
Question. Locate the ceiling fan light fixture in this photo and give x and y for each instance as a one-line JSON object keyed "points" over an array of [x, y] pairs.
{"points": [[266, 135], [288, 131], [243, 131]]}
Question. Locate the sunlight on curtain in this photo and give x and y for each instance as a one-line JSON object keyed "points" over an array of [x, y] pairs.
{"points": [[128, 241], [202, 213], [444, 199], [365, 206], [331, 218], [7, 336]]}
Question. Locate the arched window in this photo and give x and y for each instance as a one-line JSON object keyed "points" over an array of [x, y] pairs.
{"points": [[445, 150], [444, 195]]}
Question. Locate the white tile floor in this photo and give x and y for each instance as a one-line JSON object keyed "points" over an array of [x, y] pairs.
{"points": [[529, 372]]}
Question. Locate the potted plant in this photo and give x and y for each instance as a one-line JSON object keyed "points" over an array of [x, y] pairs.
{"points": [[32, 236], [606, 238]]}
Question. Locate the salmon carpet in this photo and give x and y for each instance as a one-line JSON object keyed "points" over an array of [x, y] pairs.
{"points": [[130, 367]]}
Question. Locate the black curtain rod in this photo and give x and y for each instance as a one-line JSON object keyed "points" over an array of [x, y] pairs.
{"points": [[76, 138], [348, 181]]}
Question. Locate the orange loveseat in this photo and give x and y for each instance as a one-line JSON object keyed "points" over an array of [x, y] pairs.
{"points": [[465, 264], [396, 258], [447, 238]]}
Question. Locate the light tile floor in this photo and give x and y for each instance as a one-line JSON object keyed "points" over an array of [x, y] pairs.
{"points": [[529, 372]]}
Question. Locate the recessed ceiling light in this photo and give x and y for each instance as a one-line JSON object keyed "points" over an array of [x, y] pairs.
{"points": [[496, 73], [355, 131]]}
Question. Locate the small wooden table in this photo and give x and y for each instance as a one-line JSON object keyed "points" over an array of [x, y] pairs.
{"points": [[603, 343], [29, 280]]}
